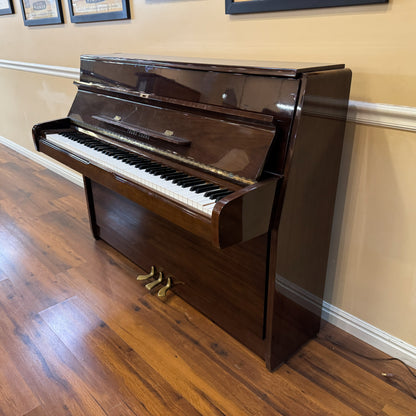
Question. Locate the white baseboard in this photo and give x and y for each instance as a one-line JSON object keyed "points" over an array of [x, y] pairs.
{"points": [[370, 334], [362, 330], [69, 174]]}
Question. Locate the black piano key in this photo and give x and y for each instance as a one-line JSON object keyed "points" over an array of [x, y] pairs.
{"points": [[201, 188], [101, 147], [180, 180], [154, 169], [126, 159], [186, 183], [216, 192], [118, 154], [174, 175], [219, 195], [168, 170], [150, 165], [84, 140], [130, 159], [141, 164], [158, 171]]}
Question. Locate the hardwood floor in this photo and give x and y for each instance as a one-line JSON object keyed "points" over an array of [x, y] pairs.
{"points": [[80, 336]]}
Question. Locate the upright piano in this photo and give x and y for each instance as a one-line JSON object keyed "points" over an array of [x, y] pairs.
{"points": [[216, 178]]}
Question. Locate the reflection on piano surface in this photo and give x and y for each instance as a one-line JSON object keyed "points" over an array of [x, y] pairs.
{"points": [[217, 176]]}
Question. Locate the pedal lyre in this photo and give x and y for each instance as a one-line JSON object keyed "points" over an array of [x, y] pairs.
{"points": [[147, 276], [153, 284]]}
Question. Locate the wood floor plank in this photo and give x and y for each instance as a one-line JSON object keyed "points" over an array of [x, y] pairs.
{"points": [[37, 411], [399, 405], [354, 386], [54, 375], [369, 358], [121, 409], [28, 190], [8, 155], [106, 355], [16, 397], [22, 263], [54, 245], [74, 207]]}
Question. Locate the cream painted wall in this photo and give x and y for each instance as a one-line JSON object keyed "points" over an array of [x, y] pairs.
{"points": [[28, 98], [372, 268], [372, 261], [376, 41]]}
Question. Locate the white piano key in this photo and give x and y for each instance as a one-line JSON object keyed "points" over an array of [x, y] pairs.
{"points": [[161, 186]]}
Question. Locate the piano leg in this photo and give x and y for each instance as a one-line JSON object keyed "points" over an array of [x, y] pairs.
{"points": [[90, 205]]}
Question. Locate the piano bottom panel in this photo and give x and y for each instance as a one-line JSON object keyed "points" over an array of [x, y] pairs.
{"points": [[228, 285]]}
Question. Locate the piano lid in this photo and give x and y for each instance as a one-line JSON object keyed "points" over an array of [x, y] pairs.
{"points": [[269, 68]]}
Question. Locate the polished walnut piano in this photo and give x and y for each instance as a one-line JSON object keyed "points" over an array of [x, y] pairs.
{"points": [[218, 178]]}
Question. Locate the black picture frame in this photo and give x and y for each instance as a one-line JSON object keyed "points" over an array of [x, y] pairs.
{"points": [[8, 9], [41, 12], [257, 6], [122, 11]]}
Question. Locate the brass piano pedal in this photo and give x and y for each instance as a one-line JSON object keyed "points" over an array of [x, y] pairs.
{"points": [[162, 292], [153, 284], [147, 276]]}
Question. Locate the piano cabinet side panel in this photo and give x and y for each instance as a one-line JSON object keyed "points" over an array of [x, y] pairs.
{"points": [[227, 285], [300, 241]]}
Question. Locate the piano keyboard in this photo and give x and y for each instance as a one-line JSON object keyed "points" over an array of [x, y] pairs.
{"points": [[178, 186]]}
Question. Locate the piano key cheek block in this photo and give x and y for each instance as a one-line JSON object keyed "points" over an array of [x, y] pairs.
{"points": [[219, 178]]}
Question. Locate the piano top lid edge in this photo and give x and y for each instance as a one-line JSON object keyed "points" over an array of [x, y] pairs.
{"points": [[252, 67]]}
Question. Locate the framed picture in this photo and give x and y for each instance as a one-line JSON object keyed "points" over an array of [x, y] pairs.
{"points": [[41, 12], [254, 6], [6, 7], [98, 10]]}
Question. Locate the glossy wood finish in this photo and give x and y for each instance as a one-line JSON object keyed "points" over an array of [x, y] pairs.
{"points": [[301, 239], [81, 337], [245, 214], [96, 66], [250, 266], [220, 144]]}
